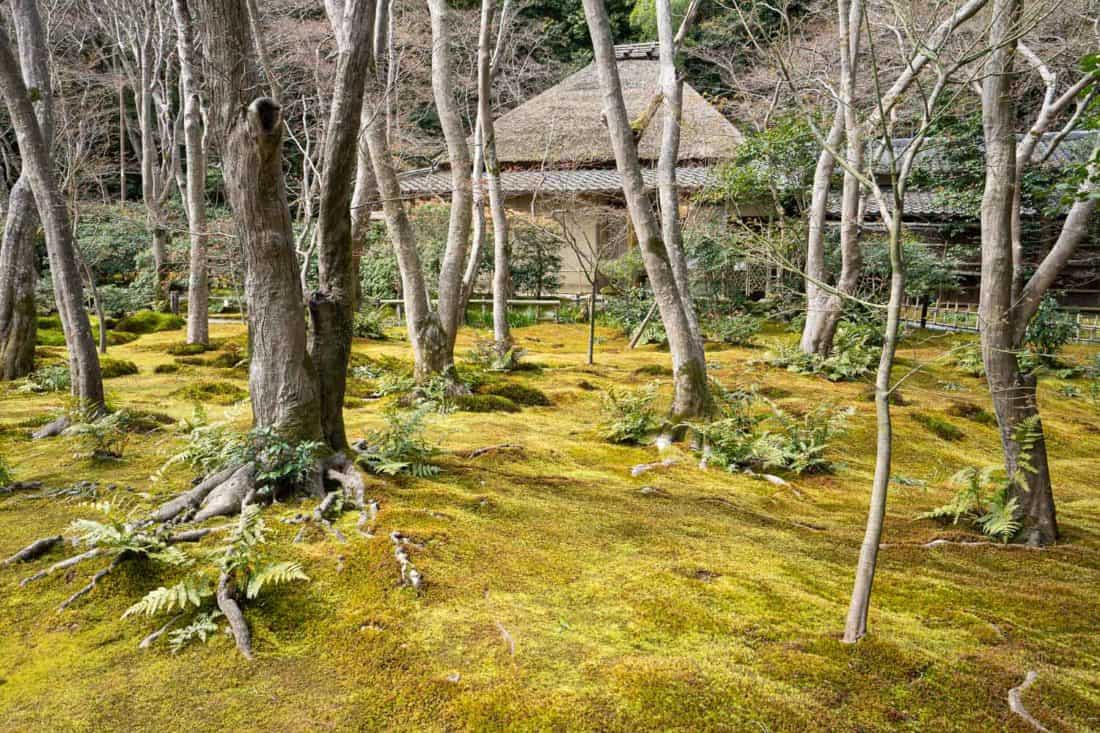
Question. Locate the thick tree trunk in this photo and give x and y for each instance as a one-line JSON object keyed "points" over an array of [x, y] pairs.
{"points": [[282, 380], [87, 383], [692, 395], [198, 286], [1013, 392], [332, 306], [18, 316]]}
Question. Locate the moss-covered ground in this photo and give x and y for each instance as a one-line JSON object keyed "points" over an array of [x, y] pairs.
{"points": [[560, 596]]}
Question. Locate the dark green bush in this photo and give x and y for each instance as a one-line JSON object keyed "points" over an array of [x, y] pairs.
{"points": [[166, 368]]}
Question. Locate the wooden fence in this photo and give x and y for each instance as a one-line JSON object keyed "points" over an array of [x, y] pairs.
{"points": [[948, 316]]}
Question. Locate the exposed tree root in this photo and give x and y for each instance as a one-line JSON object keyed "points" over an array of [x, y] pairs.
{"points": [[941, 542], [228, 497], [62, 565], [35, 550], [490, 449], [192, 499], [409, 574], [1016, 702], [52, 428], [646, 467], [227, 597], [94, 581], [148, 640], [21, 486]]}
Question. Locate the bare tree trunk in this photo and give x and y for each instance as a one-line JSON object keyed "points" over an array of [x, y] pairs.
{"points": [[431, 332], [87, 383], [502, 275], [815, 340], [332, 306], [18, 316], [856, 625], [819, 331], [282, 381], [198, 287], [1012, 390], [692, 394], [592, 320], [668, 193]]}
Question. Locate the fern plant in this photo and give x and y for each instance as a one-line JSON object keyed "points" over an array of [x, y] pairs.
{"points": [[202, 627], [400, 447], [984, 498], [191, 591], [6, 476], [630, 414], [102, 436]]}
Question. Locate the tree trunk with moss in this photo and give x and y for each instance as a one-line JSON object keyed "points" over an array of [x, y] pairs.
{"points": [[692, 394], [18, 316], [87, 383]]}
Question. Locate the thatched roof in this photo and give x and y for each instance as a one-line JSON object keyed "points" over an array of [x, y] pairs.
{"points": [[553, 182], [564, 126]]}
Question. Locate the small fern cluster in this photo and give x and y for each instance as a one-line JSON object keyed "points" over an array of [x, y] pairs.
{"points": [[630, 414], [401, 446], [746, 436], [102, 436], [853, 356], [984, 498]]}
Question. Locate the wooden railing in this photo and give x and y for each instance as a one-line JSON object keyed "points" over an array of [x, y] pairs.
{"points": [[950, 316]]}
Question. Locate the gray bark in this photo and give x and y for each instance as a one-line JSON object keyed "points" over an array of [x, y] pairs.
{"points": [[692, 395], [502, 274], [87, 383], [1012, 390], [198, 286], [332, 306], [668, 194], [282, 380]]}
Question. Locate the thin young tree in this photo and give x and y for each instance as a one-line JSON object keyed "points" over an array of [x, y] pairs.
{"points": [[502, 273], [692, 394], [19, 92], [194, 142]]}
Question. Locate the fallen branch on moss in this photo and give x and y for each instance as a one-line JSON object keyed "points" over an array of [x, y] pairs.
{"points": [[499, 448], [1016, 702], [941, 542], [93, 582], [645, 467]]}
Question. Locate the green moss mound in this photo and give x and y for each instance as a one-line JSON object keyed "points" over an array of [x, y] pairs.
{"points": [[939, 427], [972, 412], [485, 403], [144, 322], [112, 368], [166, 369], [50, 337], [186, 349], [213, 392], [654, 370], [521, 394], [119, 338]]}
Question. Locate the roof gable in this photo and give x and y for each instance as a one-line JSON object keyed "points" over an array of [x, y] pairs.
{"points": [[564, 125]]}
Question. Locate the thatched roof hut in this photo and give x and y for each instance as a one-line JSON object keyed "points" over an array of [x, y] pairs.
{"points": [[558, 141], [564, 127]]}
